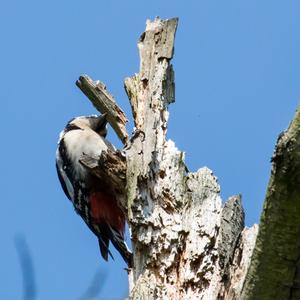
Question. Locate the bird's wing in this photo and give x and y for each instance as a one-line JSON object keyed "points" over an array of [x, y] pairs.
{"points": [[63, 177]]}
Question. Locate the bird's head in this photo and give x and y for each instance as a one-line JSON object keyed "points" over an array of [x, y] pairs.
{"points": [[95, 123]]}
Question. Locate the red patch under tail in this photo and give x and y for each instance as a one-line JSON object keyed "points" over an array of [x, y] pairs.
{"points": [[104, 210]]}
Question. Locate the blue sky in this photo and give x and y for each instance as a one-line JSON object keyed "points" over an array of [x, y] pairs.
{"points": [[237, 87]]}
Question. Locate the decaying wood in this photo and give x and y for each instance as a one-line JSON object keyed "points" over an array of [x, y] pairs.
{"points": [[186, 244], [233, 284], [104, 102], [274, 272], [184, 241]]}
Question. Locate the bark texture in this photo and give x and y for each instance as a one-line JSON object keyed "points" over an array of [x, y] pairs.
{"points": [[274, 272], [185, 244]]}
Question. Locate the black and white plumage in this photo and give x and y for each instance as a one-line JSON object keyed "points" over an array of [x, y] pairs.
{"points": [[93, 199]]}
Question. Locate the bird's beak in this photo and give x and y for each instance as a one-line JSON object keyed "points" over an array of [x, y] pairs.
{"points": [[102, 121]]}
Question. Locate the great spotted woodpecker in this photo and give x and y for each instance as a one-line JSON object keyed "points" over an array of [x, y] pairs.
{"points": [[93, 199]]}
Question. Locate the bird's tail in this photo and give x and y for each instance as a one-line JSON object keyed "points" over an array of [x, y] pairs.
{"points": [[110, 234], [118, 241], [104, 247]]}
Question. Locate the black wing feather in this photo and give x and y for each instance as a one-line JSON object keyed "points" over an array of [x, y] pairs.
{"points": [[62, 182]]}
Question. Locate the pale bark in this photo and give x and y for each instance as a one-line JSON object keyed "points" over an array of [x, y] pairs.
{"points": [[186, 244]]}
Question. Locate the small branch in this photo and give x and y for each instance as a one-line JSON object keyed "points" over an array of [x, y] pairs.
{"points": [[273, 272], [28, 274], [104, 102]]}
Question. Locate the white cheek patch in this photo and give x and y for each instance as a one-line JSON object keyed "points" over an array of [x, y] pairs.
{"points": [[83, 141]]}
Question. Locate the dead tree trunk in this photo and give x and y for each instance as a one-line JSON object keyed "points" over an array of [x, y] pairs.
{"points": [[183, 240], [186, 244]]}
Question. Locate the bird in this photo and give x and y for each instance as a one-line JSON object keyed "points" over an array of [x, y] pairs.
{"points": [[92, 198]]}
